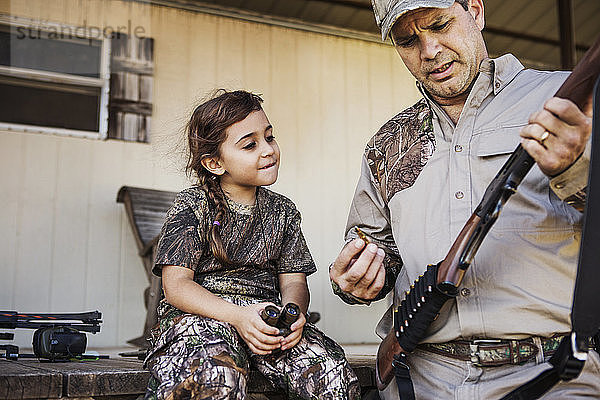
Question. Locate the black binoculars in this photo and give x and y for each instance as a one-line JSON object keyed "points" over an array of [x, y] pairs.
{"points": [[282, 319]]}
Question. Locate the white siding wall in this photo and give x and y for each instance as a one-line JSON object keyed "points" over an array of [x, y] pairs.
{"points": [[66, 244]]}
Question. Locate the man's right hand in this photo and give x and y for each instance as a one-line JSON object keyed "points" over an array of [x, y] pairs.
{"points": [[359, 270]]}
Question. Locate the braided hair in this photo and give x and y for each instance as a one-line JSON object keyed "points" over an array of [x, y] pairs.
{"points": [[206, 132]]}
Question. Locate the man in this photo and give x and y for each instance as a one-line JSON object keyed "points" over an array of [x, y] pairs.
{"points": [[423, 174]]}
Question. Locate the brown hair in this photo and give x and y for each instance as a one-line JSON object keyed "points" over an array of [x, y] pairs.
{"points": [[206, 132]]}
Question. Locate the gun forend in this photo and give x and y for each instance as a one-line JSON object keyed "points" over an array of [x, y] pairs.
{"points": [[418, 309]]}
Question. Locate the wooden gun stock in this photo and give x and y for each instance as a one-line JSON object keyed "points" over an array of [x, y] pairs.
{"points": [[578, 88], [384, 370]]}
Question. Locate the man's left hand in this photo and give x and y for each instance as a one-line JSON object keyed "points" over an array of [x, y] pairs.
{"points": [[568, 130]]}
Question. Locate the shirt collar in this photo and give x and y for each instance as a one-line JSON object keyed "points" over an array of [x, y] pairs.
{"points": [[503, 70]]}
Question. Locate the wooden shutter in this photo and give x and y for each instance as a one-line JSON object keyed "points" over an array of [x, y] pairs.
{"points": [[131, 84]]}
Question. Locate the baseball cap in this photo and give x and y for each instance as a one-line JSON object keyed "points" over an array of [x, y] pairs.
{"points": [[388, 11]]}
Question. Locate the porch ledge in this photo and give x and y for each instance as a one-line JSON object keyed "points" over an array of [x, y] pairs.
{"points": [[121, 379]]}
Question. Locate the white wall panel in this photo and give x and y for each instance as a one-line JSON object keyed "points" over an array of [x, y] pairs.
{"points": [[12, 165], [35, 233], [229, 54], [71, 220], [306, 157], [132, 282], [285, 112], [203, 64], [67, 245], [105, 239], [257, 59]]}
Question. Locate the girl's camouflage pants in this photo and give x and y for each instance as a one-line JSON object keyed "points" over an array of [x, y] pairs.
{"points": [[201, 358]]}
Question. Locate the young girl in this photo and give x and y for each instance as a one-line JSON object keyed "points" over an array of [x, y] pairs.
{"points": [[228, 248]]}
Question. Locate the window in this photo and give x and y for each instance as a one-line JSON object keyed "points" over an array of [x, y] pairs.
{"points": [[131, 88], [53, 78]]}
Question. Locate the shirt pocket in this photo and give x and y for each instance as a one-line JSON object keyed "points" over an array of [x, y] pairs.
{"points": [[494, 142], [534, 207], [489, 151]]}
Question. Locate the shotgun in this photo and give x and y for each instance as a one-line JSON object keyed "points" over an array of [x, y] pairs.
{"points": [[440, 282]]}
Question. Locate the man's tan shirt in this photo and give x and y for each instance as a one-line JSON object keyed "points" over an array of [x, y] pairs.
{"points": [[521, 281]]}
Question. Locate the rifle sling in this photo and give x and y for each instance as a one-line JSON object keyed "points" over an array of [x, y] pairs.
{"points": [[406, 390], [585, 315]]}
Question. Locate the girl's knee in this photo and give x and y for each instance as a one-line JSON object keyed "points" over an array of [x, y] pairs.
{"points": [[217, 378], [332, 380], [221, 379]]}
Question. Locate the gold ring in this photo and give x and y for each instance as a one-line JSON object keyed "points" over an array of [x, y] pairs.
{"points": [[543, 138]]}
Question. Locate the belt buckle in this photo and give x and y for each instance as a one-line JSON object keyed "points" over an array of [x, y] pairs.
{"points": [[474, 350]]}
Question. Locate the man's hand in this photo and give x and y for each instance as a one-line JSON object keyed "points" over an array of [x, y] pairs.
{"points": [[568, 130], [260, 337], [358, 270]]}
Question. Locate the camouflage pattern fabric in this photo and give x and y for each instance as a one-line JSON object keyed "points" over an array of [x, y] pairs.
{"points": [[399, 151], [194, 357], [262, 241], [202, 358], [395, 156]]}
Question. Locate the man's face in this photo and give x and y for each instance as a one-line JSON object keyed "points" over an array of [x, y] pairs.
{"points": [[442, 47]]}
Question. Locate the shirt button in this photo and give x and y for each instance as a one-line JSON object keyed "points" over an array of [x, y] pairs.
{"points": [[458, 148], [459, 195], [465, 292], [497, 85]]}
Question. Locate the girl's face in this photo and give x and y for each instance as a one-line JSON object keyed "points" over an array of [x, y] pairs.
{"points": [[249, 157]]}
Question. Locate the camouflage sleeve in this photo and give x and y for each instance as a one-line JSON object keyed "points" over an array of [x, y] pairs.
{"points": [[570, 186], [179, 242], [369, 212], [295, 256]]}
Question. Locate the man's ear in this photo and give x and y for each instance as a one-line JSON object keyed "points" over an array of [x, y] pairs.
{"points": [[477, 11], [213, 165]]}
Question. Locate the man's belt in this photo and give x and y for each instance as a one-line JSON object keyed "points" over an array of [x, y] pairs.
{"points": [[494, 352]]}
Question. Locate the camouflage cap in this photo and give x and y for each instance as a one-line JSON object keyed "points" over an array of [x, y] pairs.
{"points": [[388, 11]]}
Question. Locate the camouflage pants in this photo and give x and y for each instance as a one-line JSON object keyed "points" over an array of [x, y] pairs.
{"points": [[201, 358]]}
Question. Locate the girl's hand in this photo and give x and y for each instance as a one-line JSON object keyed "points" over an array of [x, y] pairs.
{"points": [[261, 338], [293, 338]]}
